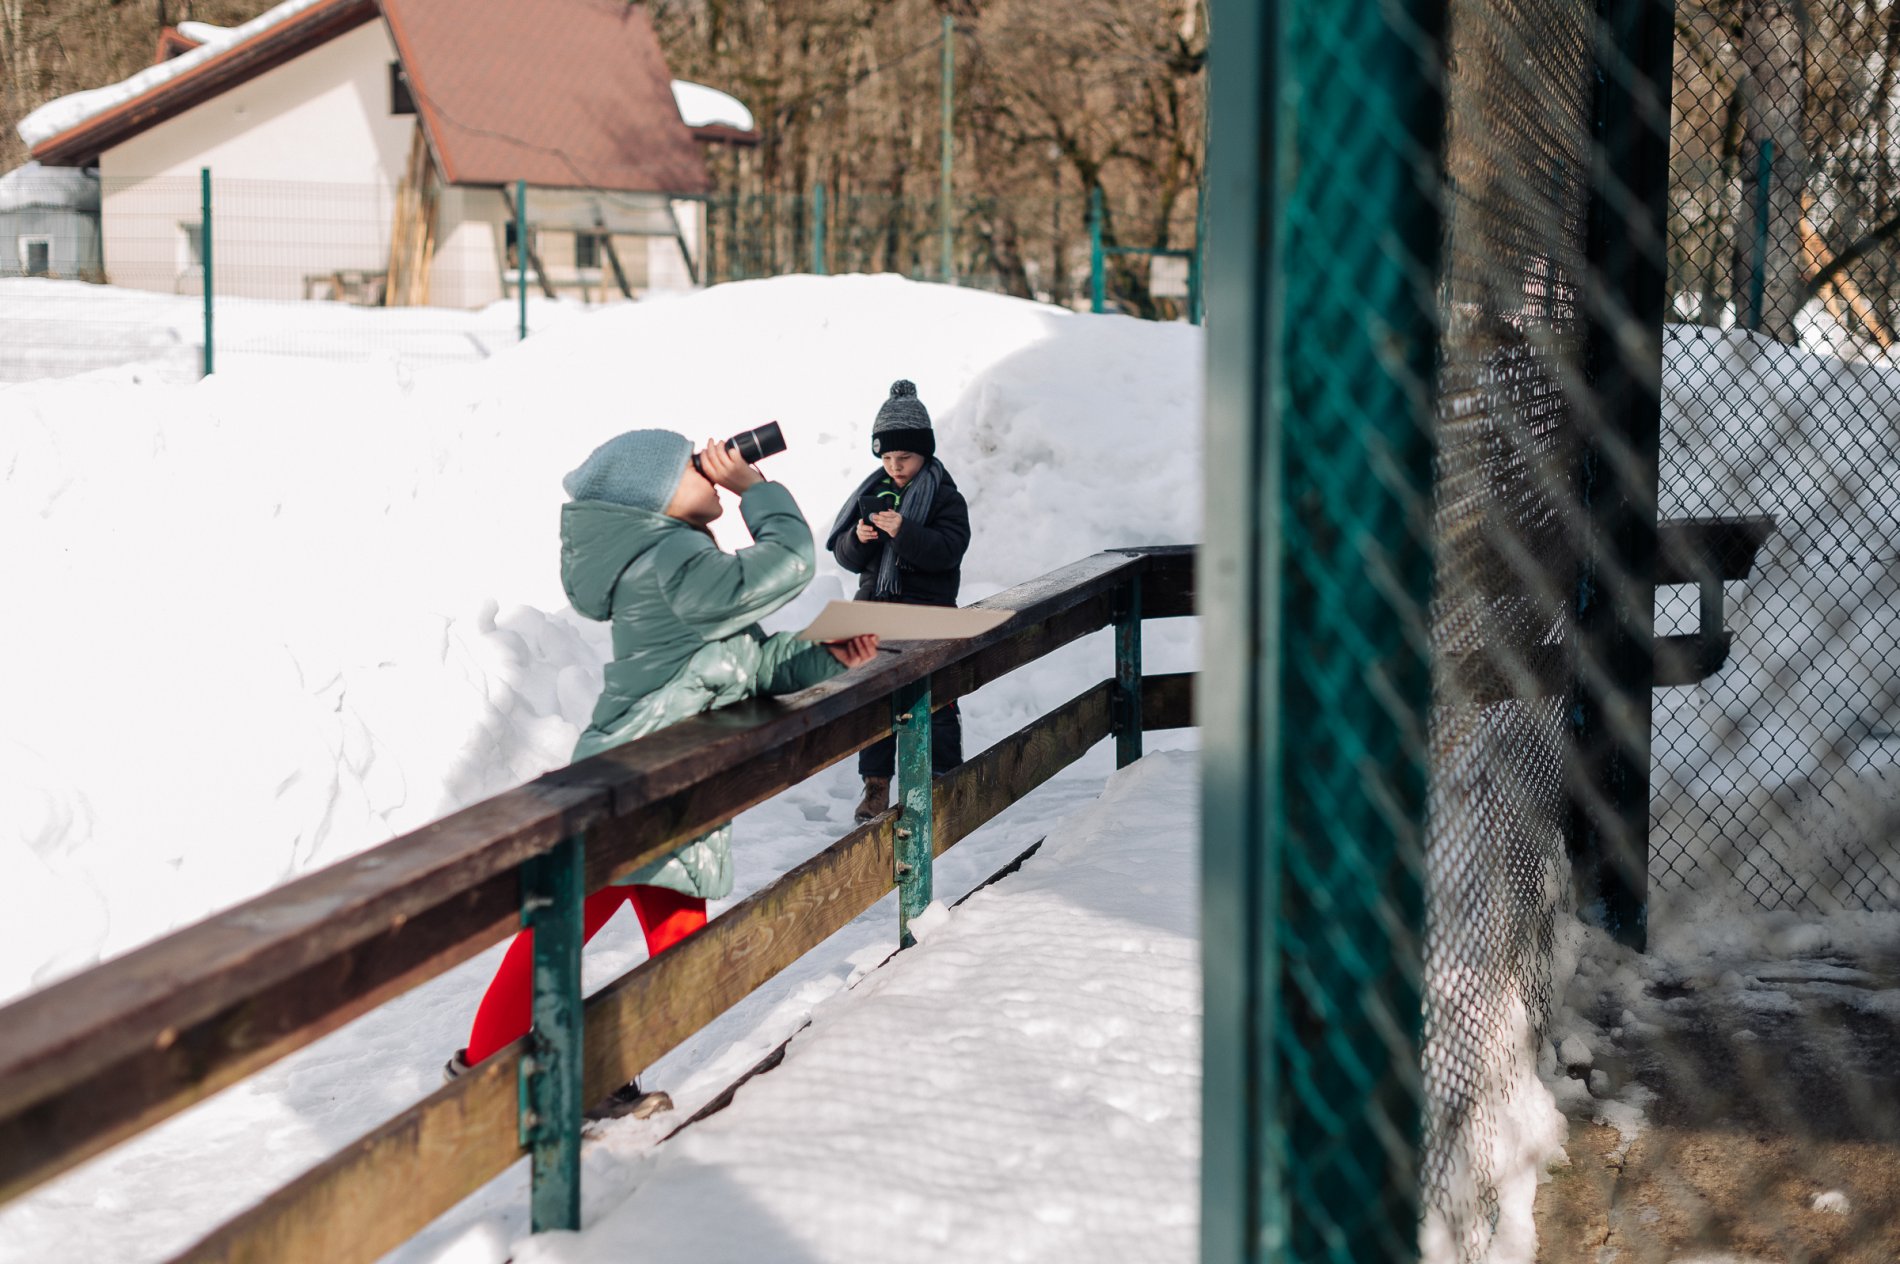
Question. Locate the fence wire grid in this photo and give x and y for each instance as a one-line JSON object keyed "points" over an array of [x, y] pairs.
{"points": [[1661, 502], [101, 272]]}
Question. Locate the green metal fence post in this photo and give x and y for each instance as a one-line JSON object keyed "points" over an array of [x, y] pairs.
{"points": [[915, 846], [1243, 1205], [818, 229], [204, 251], [521, 257], [1127, 711], [947, 148], [552, 892], [1315, 581], [1097, 296], [1758, 275]]}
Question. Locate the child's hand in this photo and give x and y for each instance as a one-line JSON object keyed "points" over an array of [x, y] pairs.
{"points": [[723, 466], [867, 534], [855, 652], [889, 522]]}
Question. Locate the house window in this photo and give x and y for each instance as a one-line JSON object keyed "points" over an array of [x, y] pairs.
{"points": [[400, 99], [587, 250], [36, 256]]}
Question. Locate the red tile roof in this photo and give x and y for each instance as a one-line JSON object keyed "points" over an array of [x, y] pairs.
{"points": [[560, 93]]}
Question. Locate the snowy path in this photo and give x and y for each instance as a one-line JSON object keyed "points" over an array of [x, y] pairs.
{"points": [[1025, 1085]]}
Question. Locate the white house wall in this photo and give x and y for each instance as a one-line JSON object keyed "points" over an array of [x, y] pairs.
{"points": [[305, 161], [470, 238]]}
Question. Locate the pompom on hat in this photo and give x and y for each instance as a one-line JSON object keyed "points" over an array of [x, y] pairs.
{"points": [[903, 423], [640, 469]]}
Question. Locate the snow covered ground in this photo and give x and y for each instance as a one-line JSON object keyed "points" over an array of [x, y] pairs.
{"points": [[274, 617], [266, 620], [1024, 1085]]}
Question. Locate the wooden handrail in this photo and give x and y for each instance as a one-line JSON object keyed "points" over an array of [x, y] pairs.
{"points": [[101, 1056], [378, 1192]]}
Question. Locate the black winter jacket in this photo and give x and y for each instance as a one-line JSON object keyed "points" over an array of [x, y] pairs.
{"points": [[929, 553]]}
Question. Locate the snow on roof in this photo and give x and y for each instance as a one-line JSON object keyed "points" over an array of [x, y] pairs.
{"points": [[701, 106], [65, 188], [205, 33], [64, 113]]}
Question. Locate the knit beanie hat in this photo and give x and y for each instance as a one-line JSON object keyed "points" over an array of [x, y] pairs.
{"points": [[903, 425], [640, 469]]}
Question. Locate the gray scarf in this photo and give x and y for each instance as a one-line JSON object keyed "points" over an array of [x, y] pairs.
{"points": [[919, 495]]}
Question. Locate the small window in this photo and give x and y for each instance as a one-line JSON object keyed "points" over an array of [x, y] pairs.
{"points": [[587, 250], [36, 256], [508, 244], [400, 100]]}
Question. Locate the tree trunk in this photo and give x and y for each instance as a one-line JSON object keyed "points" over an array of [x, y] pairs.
{"points": [[1768, 278]]}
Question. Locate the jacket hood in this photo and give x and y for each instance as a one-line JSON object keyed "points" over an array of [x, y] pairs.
{"points": [[599, 540]]}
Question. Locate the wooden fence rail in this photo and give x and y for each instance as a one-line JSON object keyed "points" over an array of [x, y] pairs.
{"points": [[102, 1056]]}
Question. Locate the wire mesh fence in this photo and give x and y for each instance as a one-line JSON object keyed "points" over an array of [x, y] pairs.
{"points": [[112, 272], [1657, 836]]}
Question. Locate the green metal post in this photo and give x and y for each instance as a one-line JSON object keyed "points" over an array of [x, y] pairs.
{"points": [[552, 892], [521, 256], [1758, 275], [204, 251], [1315, 581], [1097, 282], [947, 148], [914, 850], [1127, 720], [818, 229]]}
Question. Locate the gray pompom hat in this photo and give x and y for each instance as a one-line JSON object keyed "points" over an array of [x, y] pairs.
{"points": [[903, 424], [640, 469]]}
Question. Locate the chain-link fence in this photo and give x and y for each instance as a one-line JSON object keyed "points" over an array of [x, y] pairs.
{"points": [[1653, 790], [1783, 381]]}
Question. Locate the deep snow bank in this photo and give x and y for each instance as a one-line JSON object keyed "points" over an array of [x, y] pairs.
{"points": [[263, 621]]}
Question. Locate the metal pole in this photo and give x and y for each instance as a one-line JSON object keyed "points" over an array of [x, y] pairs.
{"points": [[552, 892], [947, 148], [818, 229], [521, 256], [914, 848], [1315, 582], [1758, 276], [1097, 295], [1242, 1181], [1619, 423], [1127, 717], [204, 252]]}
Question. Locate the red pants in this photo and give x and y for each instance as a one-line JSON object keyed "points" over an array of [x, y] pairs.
{"points": [[507, 1007]]}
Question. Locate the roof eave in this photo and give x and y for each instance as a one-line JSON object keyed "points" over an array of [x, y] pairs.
{"points": [[725, 134], [264, 51]]}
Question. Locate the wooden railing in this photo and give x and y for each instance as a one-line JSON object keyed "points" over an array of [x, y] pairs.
{"points": [[102, 1056]]}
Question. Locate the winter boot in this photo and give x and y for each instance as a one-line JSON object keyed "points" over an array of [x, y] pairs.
{"points": [[877, 798], [629, 1102], [456, 1067]]}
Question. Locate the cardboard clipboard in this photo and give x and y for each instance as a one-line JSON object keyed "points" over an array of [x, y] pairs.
{"points": [[894, 621]]}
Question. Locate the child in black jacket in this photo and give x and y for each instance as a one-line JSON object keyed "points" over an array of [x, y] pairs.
{"points": [[903, 532]]}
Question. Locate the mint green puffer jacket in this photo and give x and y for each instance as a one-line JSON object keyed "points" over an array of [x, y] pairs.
{"points": [[685, 634]]}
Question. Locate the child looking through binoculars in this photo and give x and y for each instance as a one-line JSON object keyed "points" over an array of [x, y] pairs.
{"points": [[635, 553]]}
